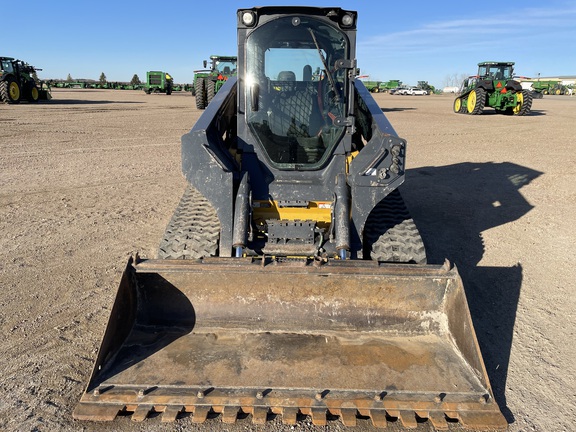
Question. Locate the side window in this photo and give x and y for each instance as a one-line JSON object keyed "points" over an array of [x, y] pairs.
{"points": [[7, 66]]}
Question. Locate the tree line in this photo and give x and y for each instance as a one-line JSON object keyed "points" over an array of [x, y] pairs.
{"points": [[134, 81]]}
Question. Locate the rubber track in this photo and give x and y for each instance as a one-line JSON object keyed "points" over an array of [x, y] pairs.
{"points": [[391, 234], [193, 231]]}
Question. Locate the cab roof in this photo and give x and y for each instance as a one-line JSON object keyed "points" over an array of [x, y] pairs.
{"points": [[491, 63]]}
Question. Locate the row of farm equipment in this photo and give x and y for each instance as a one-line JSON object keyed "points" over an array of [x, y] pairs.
{"points": [[539, 87], [555, 86], [156, 82], [206, 82], [94, 85], [392, 86], [18, 81], [379, 86]]}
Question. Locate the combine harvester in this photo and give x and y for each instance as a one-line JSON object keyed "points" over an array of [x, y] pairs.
{"points": [[291, 279]]}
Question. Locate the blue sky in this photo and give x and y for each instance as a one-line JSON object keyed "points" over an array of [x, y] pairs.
{"points": [[406, 40]]}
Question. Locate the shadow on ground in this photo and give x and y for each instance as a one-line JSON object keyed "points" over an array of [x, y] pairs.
{"points": [[532, 113], [396, 109], [87, 102], [452, 205]]}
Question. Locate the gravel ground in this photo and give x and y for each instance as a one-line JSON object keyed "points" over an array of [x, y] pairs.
{"points": [[94, 175]]}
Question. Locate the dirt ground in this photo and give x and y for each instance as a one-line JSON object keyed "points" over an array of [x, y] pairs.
{"points": [[94, 175]]}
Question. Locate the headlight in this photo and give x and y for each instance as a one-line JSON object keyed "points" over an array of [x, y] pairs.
{"points": [[248, 19], [347, 20]]}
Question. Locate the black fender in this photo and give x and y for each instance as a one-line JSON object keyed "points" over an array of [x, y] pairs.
{"points": [[513, 85], [206, 161], [485, 84]]}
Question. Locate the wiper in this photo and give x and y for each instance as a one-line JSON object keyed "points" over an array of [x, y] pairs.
{"points": [[323, 60]]}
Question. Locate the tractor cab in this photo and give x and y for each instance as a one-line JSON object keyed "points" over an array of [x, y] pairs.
{"points": [[6, 65], [222, 66], [496, 71], [207, 82], [295, 89]]}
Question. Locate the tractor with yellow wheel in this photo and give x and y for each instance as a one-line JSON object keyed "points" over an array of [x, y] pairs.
{"points": [[493, 87], [17, 82]]}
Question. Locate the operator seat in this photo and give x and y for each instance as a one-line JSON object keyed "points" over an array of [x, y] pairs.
{"points": [[294, 113], [307, 73], [292, 106]]}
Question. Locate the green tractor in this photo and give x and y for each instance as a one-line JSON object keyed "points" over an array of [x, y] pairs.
{"points": [[158, 82], [493, 87], [17, 82], [207, 82]]}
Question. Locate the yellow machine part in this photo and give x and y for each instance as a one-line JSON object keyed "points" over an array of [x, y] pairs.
{"points": [[319, 211], [263, 336]]}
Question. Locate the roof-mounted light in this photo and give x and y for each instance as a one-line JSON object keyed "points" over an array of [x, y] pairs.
{"points": [[248, 18], [347, 20]]}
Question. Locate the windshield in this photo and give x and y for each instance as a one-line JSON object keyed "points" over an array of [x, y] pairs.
{"points": [[496, 72], [294, 93], [225, 67]]}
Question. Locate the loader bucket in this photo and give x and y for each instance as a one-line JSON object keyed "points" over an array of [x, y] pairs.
{"points": [[239, 336]]}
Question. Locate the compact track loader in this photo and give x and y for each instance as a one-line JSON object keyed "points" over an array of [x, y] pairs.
{"points": [[291, 279]]}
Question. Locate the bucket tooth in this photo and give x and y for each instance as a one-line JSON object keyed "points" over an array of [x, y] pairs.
{"points": [[289, 416], [200, 414], [171, 413], [259, 415], [482, 421], [438, 420], [318, 416], [408, 419], [378, 417], [452, 415], [348, 416], [96, 412], [229, 414], [141, 412], [422, 414]]}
